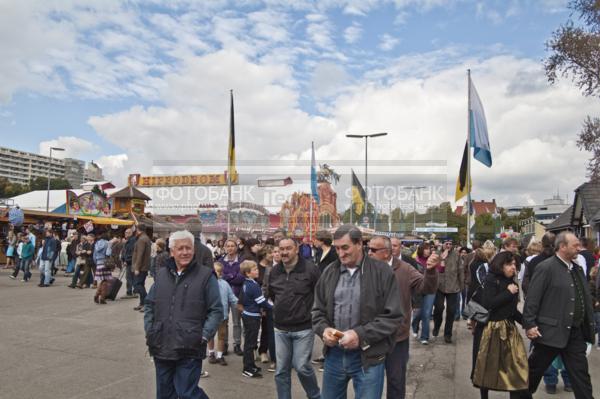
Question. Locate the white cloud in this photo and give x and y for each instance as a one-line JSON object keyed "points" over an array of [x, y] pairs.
{"points": [[387, 42], [112, 166], [352, 33], [319, 32], [74, 147], [532, 127], [328, 79]]}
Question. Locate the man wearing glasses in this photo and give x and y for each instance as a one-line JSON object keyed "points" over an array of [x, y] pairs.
{"points": [[410, 281], [357, 311]]}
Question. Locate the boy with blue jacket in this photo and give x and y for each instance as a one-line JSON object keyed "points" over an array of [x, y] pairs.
{"points": [[253, 302]]}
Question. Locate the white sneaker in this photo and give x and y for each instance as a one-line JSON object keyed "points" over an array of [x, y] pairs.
{"points": [[415, 335], [204, 374], [424, 342]]}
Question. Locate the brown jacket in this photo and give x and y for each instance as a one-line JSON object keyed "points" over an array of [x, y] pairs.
{"points": [[141, 253], [410, 281]]}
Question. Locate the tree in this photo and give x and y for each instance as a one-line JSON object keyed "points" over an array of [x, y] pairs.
{"points": [[9, 189], [41, 183], [575, 52]]}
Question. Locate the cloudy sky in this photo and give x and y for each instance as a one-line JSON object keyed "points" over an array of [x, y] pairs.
{"points": [[132, 84]]}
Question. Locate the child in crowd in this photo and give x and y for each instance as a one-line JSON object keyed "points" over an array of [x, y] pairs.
{"points": [[253, 301], [228, 299]]}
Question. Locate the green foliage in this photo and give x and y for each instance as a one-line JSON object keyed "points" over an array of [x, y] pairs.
{"points": [[41, 183], [8, 189]]}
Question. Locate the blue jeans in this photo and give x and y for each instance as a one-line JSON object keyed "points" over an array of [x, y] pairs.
{"points": [[70, 266], [294, 349], [178, 379], [46, 270], [551, 376], [342, 366], [24, 266], [425, 315]]}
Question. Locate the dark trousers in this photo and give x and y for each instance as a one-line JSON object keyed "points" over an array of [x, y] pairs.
{"points": [[438, 310], [267, 335], [251, 327], [75, 276], [395, 370], [178, 379], [129, 279], [86, 277], [139, 286], [573, 356]]}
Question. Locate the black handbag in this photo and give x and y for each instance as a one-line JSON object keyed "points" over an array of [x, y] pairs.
{"points": [[475, 311]]}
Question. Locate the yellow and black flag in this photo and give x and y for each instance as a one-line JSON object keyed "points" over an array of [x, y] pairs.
{"points": [[231, 172], [358, 194], [461, 182]]}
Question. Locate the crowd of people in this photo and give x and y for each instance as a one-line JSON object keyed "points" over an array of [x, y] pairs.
{"points": [[363, 299]]}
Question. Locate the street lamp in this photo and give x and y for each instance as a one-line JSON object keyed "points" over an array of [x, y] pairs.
{"points": [[50, 167], [366, 137], [414, 189]]}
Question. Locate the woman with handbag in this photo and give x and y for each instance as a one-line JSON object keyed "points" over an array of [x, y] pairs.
{"points": [[478, 270], [501, 363]]}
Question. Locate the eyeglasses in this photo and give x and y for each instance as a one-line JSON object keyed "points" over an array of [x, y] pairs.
{"points": [[375, 249]]}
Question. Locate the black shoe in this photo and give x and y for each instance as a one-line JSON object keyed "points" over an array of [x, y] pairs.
{"points": [[138, 308], [551, 389], [238, 350], [212, 359], [318, 360], [251, 374], [43, 285], [435, 332], [448, 339], [226, 350], [568, 388], [257, 369]]}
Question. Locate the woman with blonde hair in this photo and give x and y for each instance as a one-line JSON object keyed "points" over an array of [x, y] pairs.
{"points": [[534, 248]]}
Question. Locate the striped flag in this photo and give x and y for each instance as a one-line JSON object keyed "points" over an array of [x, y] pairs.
{"points": [[461, 182], [313, 175], [358, 194], [231, 172], [478, 128]]}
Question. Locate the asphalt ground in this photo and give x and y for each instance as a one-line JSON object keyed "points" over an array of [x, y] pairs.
{"points": [[56, 342]]}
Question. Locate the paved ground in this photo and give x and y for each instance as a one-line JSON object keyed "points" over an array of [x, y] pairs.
{"points": [[56, 343]]}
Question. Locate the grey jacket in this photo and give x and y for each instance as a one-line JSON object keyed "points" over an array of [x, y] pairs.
{"points": [[550, 304], [182, 312], [452, 280], [380, 308]]}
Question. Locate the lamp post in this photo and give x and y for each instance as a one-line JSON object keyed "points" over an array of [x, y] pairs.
{"points": [[50, 167], [366, 137], [414, 190]]}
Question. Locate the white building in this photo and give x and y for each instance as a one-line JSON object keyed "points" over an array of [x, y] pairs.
{"points": [[21, 167], [546, 213]]}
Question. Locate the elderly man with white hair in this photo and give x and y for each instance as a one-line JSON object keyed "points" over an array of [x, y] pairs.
{"points": [[182, 312]]}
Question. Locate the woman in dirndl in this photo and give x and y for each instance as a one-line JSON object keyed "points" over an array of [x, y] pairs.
{"points": [[501, 363]]}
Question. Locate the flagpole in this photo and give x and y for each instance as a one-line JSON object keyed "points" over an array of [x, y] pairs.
{"points": [[468, 158], [310, 223], [229, 170]]}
